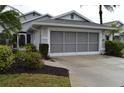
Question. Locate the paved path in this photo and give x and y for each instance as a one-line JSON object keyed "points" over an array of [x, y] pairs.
{"points": [[93, 71]]}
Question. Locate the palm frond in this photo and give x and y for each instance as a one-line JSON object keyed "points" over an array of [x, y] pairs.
{"points": [[110, 7]]}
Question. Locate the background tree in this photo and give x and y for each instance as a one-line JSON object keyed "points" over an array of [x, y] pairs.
{"points": [[9, 21], [114, 25], [108, 7]]}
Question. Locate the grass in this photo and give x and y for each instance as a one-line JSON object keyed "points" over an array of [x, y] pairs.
{"points": [[33, 80]]}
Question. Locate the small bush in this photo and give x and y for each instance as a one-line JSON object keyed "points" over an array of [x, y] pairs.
{"points": [[122, 52], [114, 48], [14, 50], [6, 57], [43, 48], [30, 48], [28, 60]]}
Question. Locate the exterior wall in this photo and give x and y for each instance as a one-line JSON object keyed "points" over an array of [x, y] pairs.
{"points": [[40, 37], [43, 36], [36, 39], [76, 17]]}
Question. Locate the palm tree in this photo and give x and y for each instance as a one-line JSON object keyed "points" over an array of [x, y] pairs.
{"points": [[9, 20], [108, 7]]}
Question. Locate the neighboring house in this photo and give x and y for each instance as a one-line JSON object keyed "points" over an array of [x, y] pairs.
{"points": [[67, 34], [120, 34]]}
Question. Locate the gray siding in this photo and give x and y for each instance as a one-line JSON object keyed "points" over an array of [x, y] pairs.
{"points": [[76, 17]]}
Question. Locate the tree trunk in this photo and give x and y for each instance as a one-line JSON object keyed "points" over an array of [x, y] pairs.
{"points": [[100, 13]]}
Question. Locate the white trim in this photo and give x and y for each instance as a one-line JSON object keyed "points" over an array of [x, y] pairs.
{"points": [[49, 39], [74, 26], [100, 41], [73, 11], [76, 41], [88, 41], [75, 53]]}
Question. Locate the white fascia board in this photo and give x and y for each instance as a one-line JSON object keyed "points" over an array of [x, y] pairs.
{"points": [[73, 11], [70, 25]]}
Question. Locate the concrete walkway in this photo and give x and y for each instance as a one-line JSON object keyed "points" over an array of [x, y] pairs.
{"points": [[92, 71]]}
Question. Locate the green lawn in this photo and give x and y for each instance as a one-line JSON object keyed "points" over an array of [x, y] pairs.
{"points": [[33, 80]]}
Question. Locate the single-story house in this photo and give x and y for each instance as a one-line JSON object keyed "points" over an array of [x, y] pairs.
{"points": [[120, 34], [67, 34]]}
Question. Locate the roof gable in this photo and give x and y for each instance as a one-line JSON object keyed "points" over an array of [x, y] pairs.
{"points": [[39, 18], [118, 23], [73, 15], [29, 16], [31, 12]]}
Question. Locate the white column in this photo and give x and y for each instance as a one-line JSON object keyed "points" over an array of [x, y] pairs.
{"points": [[17, 41]]}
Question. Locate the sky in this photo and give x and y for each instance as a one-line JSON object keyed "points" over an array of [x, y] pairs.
{"points": [[89, 11]]}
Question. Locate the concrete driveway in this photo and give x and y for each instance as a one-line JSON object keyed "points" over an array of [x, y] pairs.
{"points": [[93, 71]]}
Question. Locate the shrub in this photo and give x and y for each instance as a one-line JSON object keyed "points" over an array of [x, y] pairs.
{"points": [[6, 57], [122, 52], [28, 60], [43, 48], [14, 50], [114, 48], [30, 48]]}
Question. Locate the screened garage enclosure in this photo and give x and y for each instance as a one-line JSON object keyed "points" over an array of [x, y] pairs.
{"points": [[73, 42]]}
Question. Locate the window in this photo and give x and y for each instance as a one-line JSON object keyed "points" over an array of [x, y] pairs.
{"points": [[21, 40], [72, 16]]}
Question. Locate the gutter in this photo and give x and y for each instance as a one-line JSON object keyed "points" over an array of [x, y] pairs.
{"points": [[71, 25]]}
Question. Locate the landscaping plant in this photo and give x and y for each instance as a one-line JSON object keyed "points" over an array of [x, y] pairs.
{"points": [[6, 57], [114, 48], [28, 60], [30, 48]]}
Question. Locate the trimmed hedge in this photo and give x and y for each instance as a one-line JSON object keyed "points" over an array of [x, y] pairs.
{"points": [[28, 60], [43, 49], [114, 48], [6, 57]]}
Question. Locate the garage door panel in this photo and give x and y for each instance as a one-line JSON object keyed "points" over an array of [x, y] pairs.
{"points": [[93, 37], [82, 37], [56, 48], [70, 48], [70, 38], [93, 47], [82, 47], [56, 37]]}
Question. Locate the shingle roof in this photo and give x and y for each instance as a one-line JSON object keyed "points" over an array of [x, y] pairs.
{"points": [[72, 22]]}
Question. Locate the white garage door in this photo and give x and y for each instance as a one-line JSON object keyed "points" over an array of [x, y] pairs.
{"points": [[67, 42]]}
